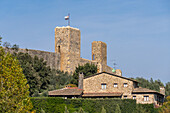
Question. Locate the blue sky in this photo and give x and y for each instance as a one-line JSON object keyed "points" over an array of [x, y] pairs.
{"points": [[137, 32]]}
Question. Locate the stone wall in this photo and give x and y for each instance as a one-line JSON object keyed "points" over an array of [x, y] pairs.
{"points": [[106, 68], [52, 59], [140, 98], [84, 61]]}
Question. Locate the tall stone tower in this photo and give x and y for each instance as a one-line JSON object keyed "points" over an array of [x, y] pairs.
{"points": [[99, 54], [67, 44]]}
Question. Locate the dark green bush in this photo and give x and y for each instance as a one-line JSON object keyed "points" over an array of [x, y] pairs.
{"points": [[57, 105], [148, 108]]}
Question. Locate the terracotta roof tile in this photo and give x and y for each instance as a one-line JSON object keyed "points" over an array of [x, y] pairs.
{"points": [[144, 90], [66, 91]]}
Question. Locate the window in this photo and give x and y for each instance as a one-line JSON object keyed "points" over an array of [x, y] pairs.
{"points": [[115, 85], [125, 84], [134, 97], [146, 98], [93, 57], [103, 85], [58, 49], [125, 97]]}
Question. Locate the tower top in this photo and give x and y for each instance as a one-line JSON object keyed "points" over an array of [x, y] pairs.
{"points": [[66, 27], [99, 42]]}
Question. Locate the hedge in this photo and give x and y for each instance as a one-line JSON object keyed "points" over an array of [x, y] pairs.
{"points": [[57, 105]]}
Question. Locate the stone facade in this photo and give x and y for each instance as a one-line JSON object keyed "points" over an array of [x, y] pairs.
{"points": [[108, 83], [94, 85]]}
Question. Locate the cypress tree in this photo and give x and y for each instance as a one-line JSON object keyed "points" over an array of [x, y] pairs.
{"points": [[14, 90]]}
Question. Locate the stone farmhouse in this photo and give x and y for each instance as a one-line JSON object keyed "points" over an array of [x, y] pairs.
{"points": [[110, 85]]}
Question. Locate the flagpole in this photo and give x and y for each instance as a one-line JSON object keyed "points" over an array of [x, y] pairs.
{"points": [[69, 19]]}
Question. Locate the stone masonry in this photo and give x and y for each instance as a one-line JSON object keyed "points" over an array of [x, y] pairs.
{"points": [[67, 44], [67, 51]]}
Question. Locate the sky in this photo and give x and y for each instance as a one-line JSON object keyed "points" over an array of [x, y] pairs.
{"points": [[137, 32]]}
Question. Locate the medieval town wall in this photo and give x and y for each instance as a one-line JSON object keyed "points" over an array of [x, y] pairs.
{"points": [[68, 50], [52, 59], [84, 61]]}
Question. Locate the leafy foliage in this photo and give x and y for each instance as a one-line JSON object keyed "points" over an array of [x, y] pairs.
{"points": [[54, 104], [87, 69], [154, 85], [6, 44], [36, 72], [14, 90], [117, 109], [15, 47], [103, 110], [167, 89], [62, 79], [0, 40], [41, 77], [66, 110], [166, 106]]}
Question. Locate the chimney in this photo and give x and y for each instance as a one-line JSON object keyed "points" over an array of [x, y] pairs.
{"points": [[81, 77], [162, 90], [118, 72]]}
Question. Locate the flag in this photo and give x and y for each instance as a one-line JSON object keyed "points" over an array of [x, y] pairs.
{"points": [[66, 17]]}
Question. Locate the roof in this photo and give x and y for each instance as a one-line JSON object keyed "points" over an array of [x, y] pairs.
{"points": [[101, 94], [112, 75], [66, 91], [144, 90]]}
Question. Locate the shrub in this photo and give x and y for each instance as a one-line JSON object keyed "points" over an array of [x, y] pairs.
{"points": [[56, 104]]}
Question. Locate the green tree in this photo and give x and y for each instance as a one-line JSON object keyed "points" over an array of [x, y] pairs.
{"points": [[87, 69], [41, 77], [153, 85], [14, 90], [36, 71], [61, 80], [166, 106], [167, 89], [0, 40], [7, 45], [15, 47], [117, 110], [103, 110]]}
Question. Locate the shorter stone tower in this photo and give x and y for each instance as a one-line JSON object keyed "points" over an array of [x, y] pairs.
{"points": [[67, 44], [99, 54]]}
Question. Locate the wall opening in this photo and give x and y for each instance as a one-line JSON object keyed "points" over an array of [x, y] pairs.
{"points": [[93, 57], [58, 49]]}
